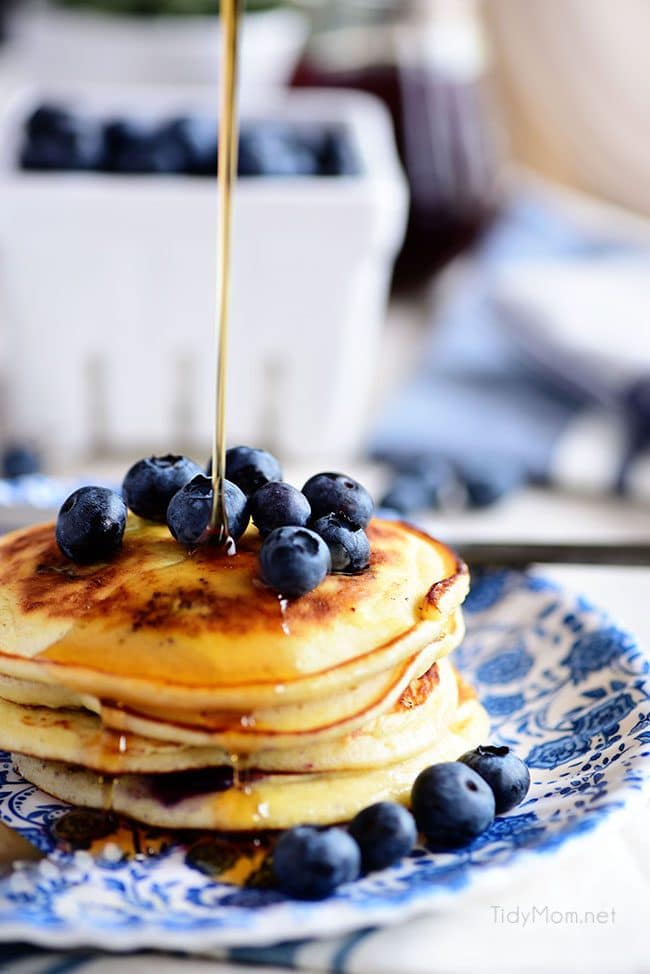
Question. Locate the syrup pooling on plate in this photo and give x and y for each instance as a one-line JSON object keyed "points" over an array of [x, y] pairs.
{"points": [[228, 144]]}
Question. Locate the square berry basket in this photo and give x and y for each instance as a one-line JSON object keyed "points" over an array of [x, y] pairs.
{"points": [[108, 287]]}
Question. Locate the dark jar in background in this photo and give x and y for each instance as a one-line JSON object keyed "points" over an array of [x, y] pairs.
{"points": [[427, 60]]}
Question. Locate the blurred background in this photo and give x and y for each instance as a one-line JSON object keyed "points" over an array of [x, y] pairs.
{"points": [[441, 272]]}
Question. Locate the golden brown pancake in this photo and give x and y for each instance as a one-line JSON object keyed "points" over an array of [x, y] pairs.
{"points": [[198, 629], [120, 680], [265, 800]]}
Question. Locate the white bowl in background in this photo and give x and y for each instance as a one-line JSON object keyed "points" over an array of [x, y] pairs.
{"points": [[108, 283], [59, 45]]}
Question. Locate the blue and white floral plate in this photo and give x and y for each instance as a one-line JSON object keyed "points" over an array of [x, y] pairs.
{"points": [[565, 688]]}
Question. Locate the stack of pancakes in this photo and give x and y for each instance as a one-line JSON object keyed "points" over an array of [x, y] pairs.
{"points": [[173, 687]]}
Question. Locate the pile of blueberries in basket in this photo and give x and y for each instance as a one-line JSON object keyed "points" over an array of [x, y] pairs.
{"points": [[57, 139], [307, 533], [453, 803]]}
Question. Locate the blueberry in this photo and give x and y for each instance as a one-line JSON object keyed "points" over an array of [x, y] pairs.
{"points": [[491, 479], [136, 147], [90, 525], [407, 494], [189, 510], [198, 139], [276, 505], [348, 543], [58, 140], [336, 493], [309, 864], [422, 481], [385, 833], [150, 484], [249, 468], [294, 561], [20, 461], [337, 156], [272, 149], [505, 773], [452, 805], [49, 118]]}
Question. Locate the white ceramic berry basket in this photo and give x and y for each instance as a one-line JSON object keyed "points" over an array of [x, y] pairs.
{"points": [[108, 284], [54, 44]]}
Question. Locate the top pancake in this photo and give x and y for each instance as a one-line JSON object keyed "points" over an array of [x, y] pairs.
{"points": [[159, 623]]}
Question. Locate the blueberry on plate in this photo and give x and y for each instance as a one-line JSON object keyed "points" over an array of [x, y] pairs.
{"points": [[505, 773], [276, 505], [90, 525], [294, 561], [309, 863], [452, 805], [151, 483], [336, 493], [385, 833], [20, 461], [249, 468], [348, 543], [188, 514]]}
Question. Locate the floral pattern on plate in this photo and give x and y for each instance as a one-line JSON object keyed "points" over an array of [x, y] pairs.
{"points": [[565, 688]]}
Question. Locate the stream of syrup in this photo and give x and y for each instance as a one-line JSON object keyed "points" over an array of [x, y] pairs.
{"points": [[241, 861], [218, 531]]}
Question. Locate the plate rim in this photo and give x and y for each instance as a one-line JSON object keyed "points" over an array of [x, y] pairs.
{"points": [[341, 918]]}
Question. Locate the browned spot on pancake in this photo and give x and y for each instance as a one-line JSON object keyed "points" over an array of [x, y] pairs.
{"points": [[156, 585], [437, 591], [419, 689], [36, 716], [55, 583]]}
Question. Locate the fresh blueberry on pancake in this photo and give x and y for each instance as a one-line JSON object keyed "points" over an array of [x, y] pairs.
{"points": [[452, 805], [310, 864], [505, 773], [276, 505], [348, 543], [385, 833], [91, 524], [188, 513], [294, 561], [336, 493], [151, 483], [249, 468]]}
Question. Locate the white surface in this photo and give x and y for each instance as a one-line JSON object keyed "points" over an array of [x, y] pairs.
{"points": [[126, 271], [77, 46], [609, 869]]}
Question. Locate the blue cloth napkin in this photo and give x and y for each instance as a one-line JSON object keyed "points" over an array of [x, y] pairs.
{"points": [[481, 391], [332, 956]]}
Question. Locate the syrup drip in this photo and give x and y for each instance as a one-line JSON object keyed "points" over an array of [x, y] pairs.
{"points": [[218, 531], [284, 605]]}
